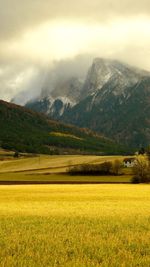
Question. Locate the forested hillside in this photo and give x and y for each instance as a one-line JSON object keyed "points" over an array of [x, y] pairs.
{"points": [[27, 131]]}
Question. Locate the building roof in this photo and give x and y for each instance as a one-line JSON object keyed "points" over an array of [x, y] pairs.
{"points": [[130, 160]]}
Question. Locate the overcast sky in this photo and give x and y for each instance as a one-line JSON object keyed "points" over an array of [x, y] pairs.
{"points": [[35, 33]]}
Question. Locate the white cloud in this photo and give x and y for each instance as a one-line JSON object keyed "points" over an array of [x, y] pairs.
{"points": [[34, 33]]}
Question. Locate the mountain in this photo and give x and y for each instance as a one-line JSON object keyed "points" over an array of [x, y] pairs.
{"points": [[113, 100], [27, 131], [105, 71], [65, 94], [116, 103]]}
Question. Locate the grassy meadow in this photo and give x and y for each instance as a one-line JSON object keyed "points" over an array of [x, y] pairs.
{"points": [[50, 163], [75, 225], [54, 169]]}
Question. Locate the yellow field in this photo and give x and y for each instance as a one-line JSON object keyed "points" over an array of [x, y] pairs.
{"points": [[75, 225], [71, 225]]}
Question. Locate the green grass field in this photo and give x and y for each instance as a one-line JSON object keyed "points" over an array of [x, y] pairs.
{"points": [[75, 225]]}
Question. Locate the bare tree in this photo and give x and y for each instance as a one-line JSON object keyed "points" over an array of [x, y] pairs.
{"points": [[141, 170]]}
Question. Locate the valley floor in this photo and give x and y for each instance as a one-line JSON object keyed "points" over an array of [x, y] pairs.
{"points": [[66, 225], [75, 225], [53, 169]]}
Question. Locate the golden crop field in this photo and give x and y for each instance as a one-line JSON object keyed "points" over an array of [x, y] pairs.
{"points": [[75, 225]]}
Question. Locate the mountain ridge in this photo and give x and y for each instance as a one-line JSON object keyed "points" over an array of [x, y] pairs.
{"points": [[105, 102]]}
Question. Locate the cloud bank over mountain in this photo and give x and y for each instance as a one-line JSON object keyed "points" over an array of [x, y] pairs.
{"points": [[36, 34]]}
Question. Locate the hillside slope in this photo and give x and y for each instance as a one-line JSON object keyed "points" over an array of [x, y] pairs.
{"points": [[27, 131]]}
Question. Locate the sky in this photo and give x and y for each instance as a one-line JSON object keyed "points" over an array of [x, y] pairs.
{"points": [[37, 36]]}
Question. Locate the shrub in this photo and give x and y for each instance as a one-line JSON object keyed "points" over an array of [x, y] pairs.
{"points": [[135, 180], [91, 169], [116, 167], [106, 167], [16, 154], [141, 171]]}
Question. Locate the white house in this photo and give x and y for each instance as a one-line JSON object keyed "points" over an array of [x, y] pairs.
{"points": [[129, 162]]}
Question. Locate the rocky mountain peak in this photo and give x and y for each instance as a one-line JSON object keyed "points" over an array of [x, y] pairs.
{"points": [[106, 71]]}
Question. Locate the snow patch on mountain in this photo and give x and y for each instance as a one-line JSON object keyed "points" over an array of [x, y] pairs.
{"points": [[106, 80]]}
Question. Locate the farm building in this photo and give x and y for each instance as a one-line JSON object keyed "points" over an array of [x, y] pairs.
{"points": [[129, 162]]}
